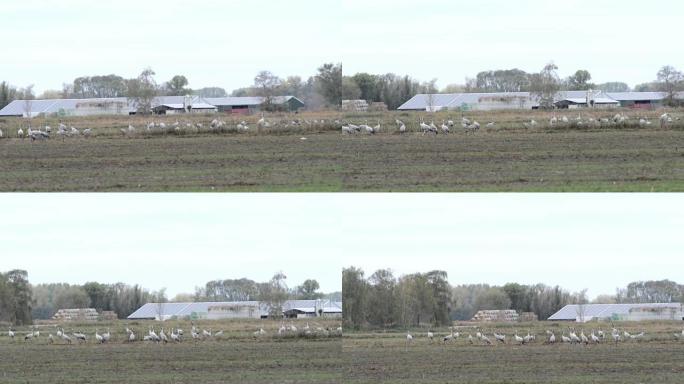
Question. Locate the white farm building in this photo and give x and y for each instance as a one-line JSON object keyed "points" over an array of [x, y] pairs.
{"points": [[160, 105], [620, 312], [525, 100], [235, 310]]}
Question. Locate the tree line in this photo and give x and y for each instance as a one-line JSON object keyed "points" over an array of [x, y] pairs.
{"points": [[21, 302], [318, 91], [383, 300]]}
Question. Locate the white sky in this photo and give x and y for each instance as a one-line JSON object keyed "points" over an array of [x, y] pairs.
{"points": [[616, 40], [179, 241], [226, 42], [213, 42]]}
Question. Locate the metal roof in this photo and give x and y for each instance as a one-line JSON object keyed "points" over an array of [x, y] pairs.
{"points": [[48, 106], [599, 100], [247, 100], [572, 311], [636, 96], [153, 310]]}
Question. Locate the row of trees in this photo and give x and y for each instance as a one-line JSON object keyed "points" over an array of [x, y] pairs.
{"points": [[386, 301], [321, 90], [121, 298], [383, 300], [45, 299], [391, 89]]}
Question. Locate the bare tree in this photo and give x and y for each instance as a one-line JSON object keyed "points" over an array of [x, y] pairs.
{"points": [[266, 84], [670, 81], [545, 84]]}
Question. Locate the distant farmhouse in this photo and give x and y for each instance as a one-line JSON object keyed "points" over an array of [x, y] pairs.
{"points": [[236, 310], [619, 312], [525, 100], [160, 105]]}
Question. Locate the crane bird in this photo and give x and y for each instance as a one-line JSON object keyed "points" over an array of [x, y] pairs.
{"points": [[616, 336], [402, 128], [518, 339], [486, 340], [377, 127], [20, 133], [106, 336], [426, 128], [354, 127], [470, 339], [51, 339], [261, 332], [445, 128], [152, 335], [346, 130], [491, 124], [664, 119], [163, 336], [0, 133], [87, 132], [131, 337], [430, 335], [528, 338], [450, 337], [11, 333], [472, 128], [81, 337], [99, 337], [206, 333], [409, 338], [565, 339], [584, 338], [552, 337], [594, 339], [500, 337], [574, 338], [218, 334], [66, 338], [175, 337]]}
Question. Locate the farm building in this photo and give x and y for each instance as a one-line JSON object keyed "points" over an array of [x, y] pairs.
{"points": [[524, 100], [312, 308], [638, 100], [231, 310], [617, 312], [469, 101], [584, 99], [67, 107], [168, 105], [160, 105], [250, 105]]}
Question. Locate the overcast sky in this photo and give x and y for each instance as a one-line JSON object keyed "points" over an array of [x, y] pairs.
{"points": [[594, 241], [213, 42], [616, 40], [226, 42]]}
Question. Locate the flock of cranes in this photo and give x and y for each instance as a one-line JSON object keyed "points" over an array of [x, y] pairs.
{"points": [[446, 126], [177, 127], [168, 335], [571, 336]]}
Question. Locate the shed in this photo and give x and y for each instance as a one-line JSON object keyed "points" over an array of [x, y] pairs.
{"points": [[253, 104]]}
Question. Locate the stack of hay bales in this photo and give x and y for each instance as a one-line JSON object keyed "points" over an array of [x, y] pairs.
{"points": [[78, 314], [497, 315]]}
